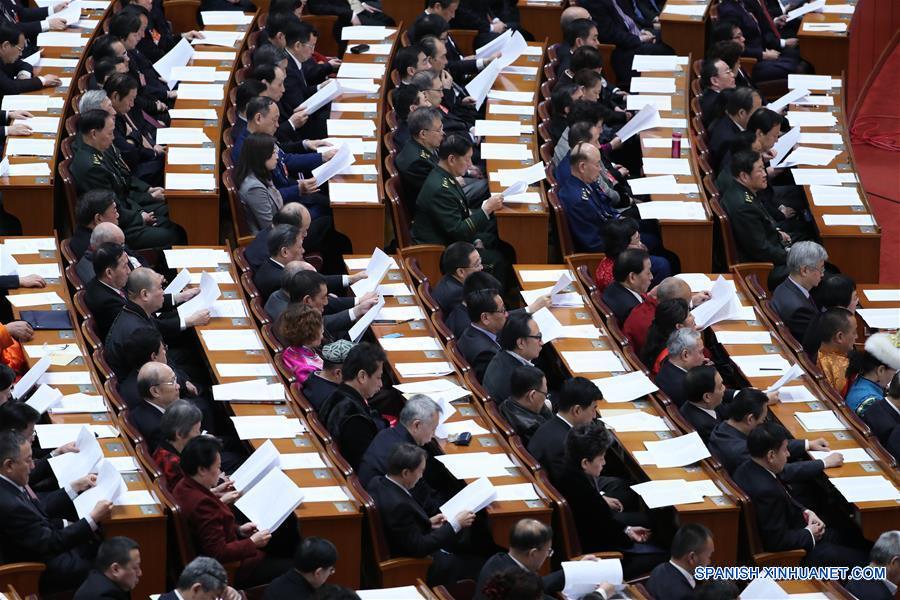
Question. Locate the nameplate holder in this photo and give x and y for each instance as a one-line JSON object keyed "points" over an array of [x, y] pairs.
{"points": [[535, 504], [692, 469], [582, 315], [869, 467], [207, 145], [467, 411], [52, 280], [370, 177], [78, 361], [368, 156], [513, 471], [302, 442], [206, 167], [404, 300], [770, 349], [57, 307], [486, 441], [841, 435], [115, 447], [534, 59], [253, 352], [321, 474], [720, 500], [99, 417], [215, 102], [663, 435], [281, 410], [528, 78], [641, 403], [599, 344], [344, 507], [149, 509], [66, 335], [240, 322], [845, 167], [68, 69], [229, 294], [753, 322], [47, 253], [867, 229], [814, 405], [535, 208], [380, 59], [417, 325], [433, 353], [88, 388], [130, 477]]}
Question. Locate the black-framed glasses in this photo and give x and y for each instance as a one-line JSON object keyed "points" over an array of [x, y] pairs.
{"points": [[535, 337]]}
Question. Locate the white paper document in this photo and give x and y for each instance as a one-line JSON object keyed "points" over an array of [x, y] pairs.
{"points": [[763, 588], [817, 176], [439, 390], [40, 124], [831, 139], [110, 486], [813, 82], [484, 128], [698, 282], [342, 159], [179, 56], [80, 403], [644, 63], [516, 491], [364, 322], [808, 118], [225, 17], [271, 501], [678, 451], [540, 275], [231, 339], [661, 184], [528, 175], [301, 460], [482, 83], [667, 166], [66, 378], [849, 454], [805, 8], [193, 114], [353, 192], [743, 337], [24, 169], [358, 107], [19, 146], [687, 10], [762, 365], [399, 314], [723, 305], [447, 428], [672, 210], [407, 592], [181, 136], [351, 127], [472, 498], [510, 96], [423, 369], [653, 85], [668, 492], [49, 39], [868, 488], [639, 101], [882, 295], [226, 39], [819, 420], [404, 344], [583, 576], [625, 388], [863, 220], [72, 465], [54, 436], [646, 118], [36, 103], [376, 270], [257, 465], [190, 181], [366, 33], [123, 464], [209, 293], [511, 109], [246, 370], [880, 318], [804, 155], [634, 420], [350, 70], [593, 361], [34, 299], [500, 151], [825, 27], [795, 393], [43, 398], [267, 427], [45, 270], [834, 195], [27, 381], [472, 465], [196, 258], [791, 374], [200, 91], [249, 390]]}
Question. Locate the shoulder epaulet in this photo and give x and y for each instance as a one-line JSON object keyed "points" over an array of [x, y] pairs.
{"points": [[748, 197], [445, 183], [424, 154]]}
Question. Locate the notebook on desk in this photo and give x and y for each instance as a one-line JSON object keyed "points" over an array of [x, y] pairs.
{"points": [[47, 319]]}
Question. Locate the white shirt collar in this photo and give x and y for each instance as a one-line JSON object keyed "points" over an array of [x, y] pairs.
{"points": [[388, 477], [492, 336], [711, 413], [178, 594], [800, 287], [738, 125], [891, 586], [116, 290], [17, 486], [634, 293], [156, 406], [891, 404], [296, 62], [523, 567], [564, 420], [688, 576], [520, 359]]}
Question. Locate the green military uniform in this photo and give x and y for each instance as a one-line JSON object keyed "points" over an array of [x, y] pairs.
{"points": [[757, 238], [95, 170], [415, 162], [443, 217]]}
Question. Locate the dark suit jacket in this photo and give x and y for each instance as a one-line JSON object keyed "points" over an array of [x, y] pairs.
{"points": [[884, 421], [106, 304], [729, 446], [498, 375], [213, 526], [478, 349], [80, 241], [296, 88], [448, 293], [597, 530], [268, 278], [667, 582], [33, 532], [352, 423], [437, 484], [290, 585], [256, 252], [524, 421], [709, 105], [548, 445], [779, 517], [796, 310], [620, 300], [670, 379], [502, 562], [317, 390], [721, 135], [611, 28], [147, 419], [10, 86], [132, 317], [405, 523], [699, 419], [98, 586], [869, 590]]}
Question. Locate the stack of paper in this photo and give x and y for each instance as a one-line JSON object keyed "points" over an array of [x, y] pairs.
{"points": [[851, 220], [627, 387], [634, 420], [109, 487], [813, 82], [248, 391], [350, 70], [653, 85], [593, 361], [529, 175], [448, 428], [267, 427], [471, 498], [179, 56], [790, 98], [246, 370], [218, 38], [399, 314], [825, 27], [196, 257], [363, 323], [811, 119], [34, 299], [472, 465], [668, 492], [678, 451], [510, 109], [583, 576], [762, 365], [79, 403], [366, 33], [645, 63], [225, 17], [795, 393], [820, 420], [672, 210], [27, 381], [301, 460], [423, 369], [688, 10], [500, 151], [434, 388], [723, 305], [698, 282], [376, 269], [805, 8], [405, 344], [271, 501], [72, 465], [190, 156], [44, 397], [408, 592], [231, 339], [882, 295], [646, 118], [743, 337], [810, 156], [516, 491], [870, 488], [533, 276], [353, 192], [833, 195], [257, 466], [791, 374], [582, 332], [327, 93], [763, 588], [849, 454], [325, 493], [351, 127], [661, 184], [184, 136]]}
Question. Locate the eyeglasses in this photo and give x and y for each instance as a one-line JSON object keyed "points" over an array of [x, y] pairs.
{"points": [[499, 310], [172, 382], [535, 337]]}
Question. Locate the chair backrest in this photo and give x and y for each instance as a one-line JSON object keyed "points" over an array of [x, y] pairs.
{"points": [[286, 372], [65, 247], [728, 242], [390, 119], [23, 578], [258, 309], [490, 407], [327, 44], [242, 231], [464, 40], [248, 285], [590, 261], [271, 340], [567, 246], [546, 149], [111, 387], [301, 400], [437, 321], [708, 173], [373, 520], [147, 462], [240, 261], [456, 357], [74, 280], [695, 106], [183, 14], [567, 534], [474, 386], [543, 110], [391, 146], [402, 223], [68, 185], [426, 256], [100, 363], [601, 306], [228, 139], [695, 88], [184, 539], [546, 89], [753, 274], [89, 331], [128, 428]]}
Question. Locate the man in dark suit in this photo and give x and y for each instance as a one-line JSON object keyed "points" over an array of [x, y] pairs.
{"points": [[748, 409], [351, 420], [319, 386], [202, 578], [158, 388], [313, 564], [416, 425], [457, 261], [435, 21], [116, 572], [883, 418], [520, 343], [340, 312], [369, 13], [703, 395], [692, 547], [300, 43], [740, 104], [685, 347], [413, 532], [530, 544], [32, 529], [632, 274], [285, 244], [715, 76], [93, 208], [527, 408], [617, 24], [784, 523], [144, 299], [479, 343], [791, 299], [885, 554]]}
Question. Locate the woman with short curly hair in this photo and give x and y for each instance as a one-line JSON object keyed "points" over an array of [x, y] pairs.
{"points": [[301, 328]]}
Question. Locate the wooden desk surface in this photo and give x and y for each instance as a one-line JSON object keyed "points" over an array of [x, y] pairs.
{"points": [[828, 51]]}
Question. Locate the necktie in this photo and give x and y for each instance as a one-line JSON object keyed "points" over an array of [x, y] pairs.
{"points": [[30, 493], [637, 11], [629, 22], [765, 10]]}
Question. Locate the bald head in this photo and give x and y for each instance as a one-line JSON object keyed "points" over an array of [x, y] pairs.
{"points": [[291, 269], [144, 288], [673, 287], [572, 13], [107, 233], [152, 378]]}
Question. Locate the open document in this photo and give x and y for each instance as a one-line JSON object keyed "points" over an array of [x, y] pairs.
{"points": [[271, 501]]}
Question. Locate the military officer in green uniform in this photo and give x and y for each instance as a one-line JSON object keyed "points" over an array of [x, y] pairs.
{"points": [[755, 232], [443, 215], [98, 165]]}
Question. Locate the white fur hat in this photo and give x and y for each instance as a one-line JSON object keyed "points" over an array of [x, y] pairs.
{"points": [[886, 348]]}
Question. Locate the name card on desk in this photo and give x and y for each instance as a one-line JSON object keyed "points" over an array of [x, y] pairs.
{"points": [[190, 181], [40, 124], [219, 38], [813, 82], [193, 114], [61, 39], [231, 339], [834, 195], [653, 85], [672, 210], [852, 220], [225, 17], [366, 32], [183, 136], [643, 62], [36, 299], [267, 427], [593, 361], [351, 127], [200, 91], [361, 70], [869, 488], [353, 192], [192, 156], [212, 55], [625, 388], [880, 318]]}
